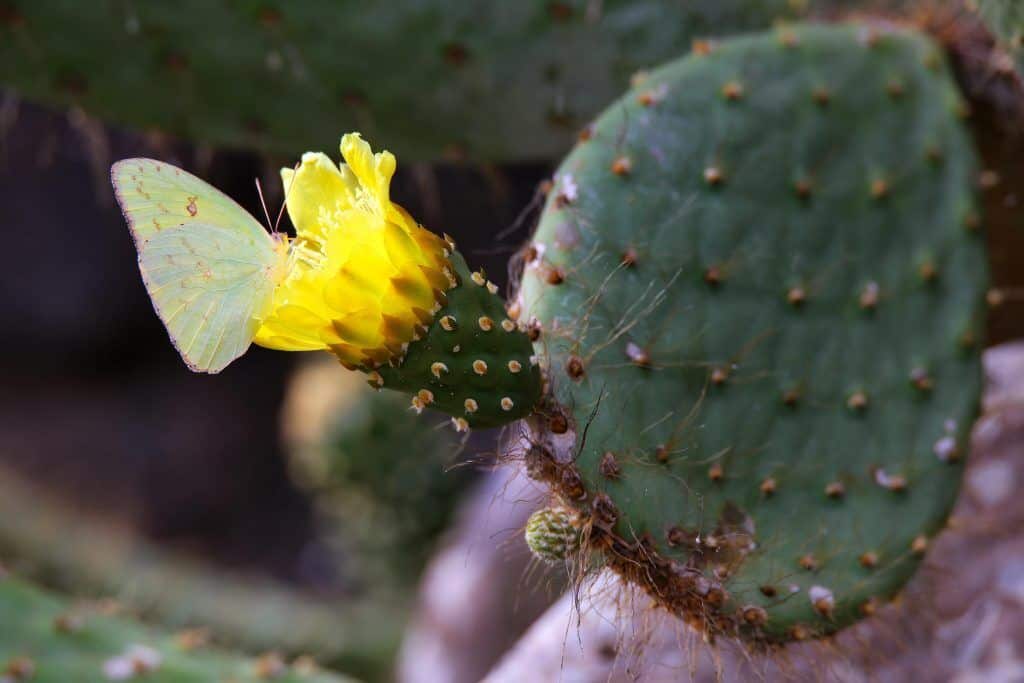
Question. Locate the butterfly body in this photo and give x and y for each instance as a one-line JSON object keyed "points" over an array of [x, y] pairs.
{"points": [[209, 267]]}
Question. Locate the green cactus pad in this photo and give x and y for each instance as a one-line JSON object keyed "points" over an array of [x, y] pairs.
{"points": [[474, 362], [764, 328], [551, 535], [45, 639], [59, 546], [492, 80]]}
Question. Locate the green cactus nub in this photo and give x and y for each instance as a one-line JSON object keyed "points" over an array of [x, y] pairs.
{"points": [[474, 363], [752, 283], [551, 535]]}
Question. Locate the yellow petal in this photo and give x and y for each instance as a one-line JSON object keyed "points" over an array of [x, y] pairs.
{"points": [[316, 189], [374, 171], [271, 338], [364, 279], [292, 328], [350, 356], [350, 290], [396, 327], [361, 328]]}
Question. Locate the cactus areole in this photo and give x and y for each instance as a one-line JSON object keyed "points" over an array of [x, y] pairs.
{"points": [[757, 292]]}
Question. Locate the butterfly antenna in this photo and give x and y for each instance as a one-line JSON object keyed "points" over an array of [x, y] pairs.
{"points": [[259, 189], [287, 191]]}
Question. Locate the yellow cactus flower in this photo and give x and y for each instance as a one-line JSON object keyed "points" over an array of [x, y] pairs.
{"points": [[364, 279]]}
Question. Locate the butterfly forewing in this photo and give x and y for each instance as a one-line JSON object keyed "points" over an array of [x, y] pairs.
{"points": [[154, 195], [209, 267]]}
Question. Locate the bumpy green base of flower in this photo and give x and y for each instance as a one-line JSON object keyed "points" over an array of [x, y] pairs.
{"points": [[492, 79], [760, 287], [551, 535], [45, 639], [475, 363]]}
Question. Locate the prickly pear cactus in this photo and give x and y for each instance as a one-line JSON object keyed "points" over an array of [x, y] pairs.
{"points": [[283, 76], [45, 639], [758, 287]]}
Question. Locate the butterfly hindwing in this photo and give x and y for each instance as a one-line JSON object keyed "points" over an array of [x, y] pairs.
{"points": [[208, 266]]}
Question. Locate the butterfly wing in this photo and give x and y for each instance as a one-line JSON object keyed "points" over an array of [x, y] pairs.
{"points": [[210, 285], [209, 267]]}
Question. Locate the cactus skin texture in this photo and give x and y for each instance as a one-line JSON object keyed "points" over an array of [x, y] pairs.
{"points": [[551, 535], [474, 362], [282, 76], [46, 639], [763, 331]]}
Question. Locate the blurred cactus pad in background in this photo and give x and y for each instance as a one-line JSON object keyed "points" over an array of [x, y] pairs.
{"points": [[737, 359], [384, 483], [56, 641], [494, 81]]}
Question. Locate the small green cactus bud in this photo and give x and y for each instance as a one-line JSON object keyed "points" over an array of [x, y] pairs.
{"points": [[551, 534]]}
